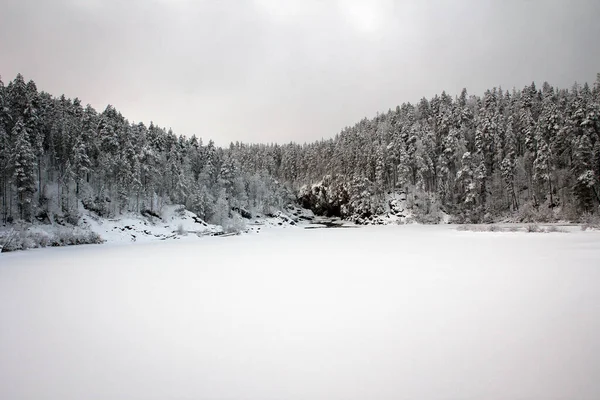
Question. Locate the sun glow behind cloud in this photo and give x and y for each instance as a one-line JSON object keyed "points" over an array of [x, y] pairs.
{"points": [[365, 17], [361, 16], [290, 11]]}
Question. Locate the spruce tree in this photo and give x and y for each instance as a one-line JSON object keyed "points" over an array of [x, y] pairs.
{"points": [[23, 161]]}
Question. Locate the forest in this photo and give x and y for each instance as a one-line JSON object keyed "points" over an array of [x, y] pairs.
{"points": [[520, 155]]}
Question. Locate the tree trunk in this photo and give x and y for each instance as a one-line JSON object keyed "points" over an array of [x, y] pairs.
{"points": [[10, 199], [40, 199], [550, 183], [4, 209], [596, 194]]}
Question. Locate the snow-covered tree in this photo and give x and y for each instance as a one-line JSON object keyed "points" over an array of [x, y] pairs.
{"points": [[479, 155], [23, 160]]}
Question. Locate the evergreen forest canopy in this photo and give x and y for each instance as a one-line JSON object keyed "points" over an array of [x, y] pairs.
{"points": [[530, 154]]}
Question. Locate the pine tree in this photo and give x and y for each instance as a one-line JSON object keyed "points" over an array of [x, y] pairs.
{"points": [[82, 162], [584, 188], [222, 209], [24, 167], [4, 170], [470, 187], [508, 165], [541, 165]]}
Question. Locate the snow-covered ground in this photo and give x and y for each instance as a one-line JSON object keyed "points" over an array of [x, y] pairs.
{"points": [[386, 312], [171, 222]]}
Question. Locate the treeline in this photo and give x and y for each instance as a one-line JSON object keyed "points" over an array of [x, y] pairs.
{"points": [[56, 154], [531, 153]]}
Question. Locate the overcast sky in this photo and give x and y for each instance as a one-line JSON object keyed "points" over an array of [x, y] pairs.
{"points": [[274, 70]]}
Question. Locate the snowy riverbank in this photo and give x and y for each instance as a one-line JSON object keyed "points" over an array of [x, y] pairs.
{"points": [[171, 222]]}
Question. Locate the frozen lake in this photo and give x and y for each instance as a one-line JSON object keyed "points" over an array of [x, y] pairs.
{"points": [[407, 312]]}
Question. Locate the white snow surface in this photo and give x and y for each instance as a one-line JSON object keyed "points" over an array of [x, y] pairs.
{"points": [[174, 221], [382, 312]]}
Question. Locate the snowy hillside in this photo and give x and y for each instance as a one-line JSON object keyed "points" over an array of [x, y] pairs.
{"points": [[171, 222], [360, 204], [529, 156]]}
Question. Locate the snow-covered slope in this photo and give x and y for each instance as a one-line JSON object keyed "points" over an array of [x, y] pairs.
{"points": [[292, 216], [360, 204], [396, 211], [171, 222], [175, 222]]}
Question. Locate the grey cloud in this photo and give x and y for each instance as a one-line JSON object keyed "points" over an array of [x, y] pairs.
{"points": [[266, 70]]}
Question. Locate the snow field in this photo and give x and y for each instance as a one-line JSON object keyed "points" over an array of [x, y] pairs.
{"points": [[386, 312]]}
